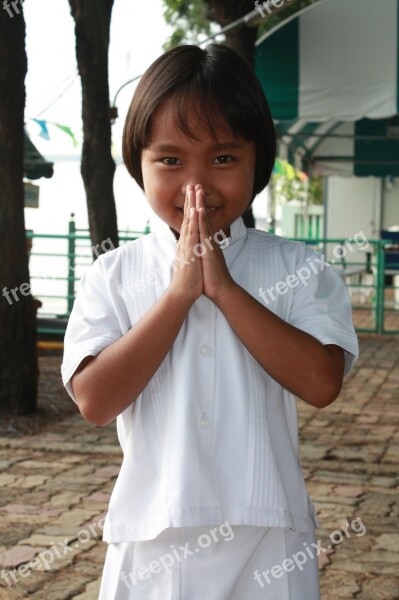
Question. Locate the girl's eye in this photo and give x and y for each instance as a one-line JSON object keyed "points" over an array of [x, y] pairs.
{"points": [[225, 159], [169, 160]]}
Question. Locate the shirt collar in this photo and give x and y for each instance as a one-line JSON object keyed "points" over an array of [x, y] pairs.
{"points": [[162, 229], [238, 230]]}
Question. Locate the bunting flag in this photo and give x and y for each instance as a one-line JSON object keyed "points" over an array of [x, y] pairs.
{"points": [[283, 167], [43, 126], [69, 132], [278, 168], [302, 176], [44, 132]]}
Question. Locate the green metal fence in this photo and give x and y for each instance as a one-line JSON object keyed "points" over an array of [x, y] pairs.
{"points": [[373, 283], [71, 253], [373, 287]]}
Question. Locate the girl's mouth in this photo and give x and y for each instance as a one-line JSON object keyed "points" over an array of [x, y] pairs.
{"points": [[211, 210]]}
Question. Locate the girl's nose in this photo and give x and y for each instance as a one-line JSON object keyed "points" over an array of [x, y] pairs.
{"points": [[197, 171], [206, 187]]}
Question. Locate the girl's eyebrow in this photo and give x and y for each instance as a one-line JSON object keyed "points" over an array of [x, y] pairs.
{"points": [[171, 148]]}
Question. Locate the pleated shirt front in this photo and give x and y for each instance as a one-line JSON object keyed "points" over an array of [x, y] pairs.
{"points": [[212, 437]]}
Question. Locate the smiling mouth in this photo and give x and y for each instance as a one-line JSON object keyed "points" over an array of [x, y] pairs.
{"points": [[209, 209]]}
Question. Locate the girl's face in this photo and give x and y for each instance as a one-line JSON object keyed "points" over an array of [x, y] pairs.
{"points": [[173, 160]]}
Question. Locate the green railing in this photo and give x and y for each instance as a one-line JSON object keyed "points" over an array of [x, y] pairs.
{"points": [[72, 262], [375, 300], [367, 279]]}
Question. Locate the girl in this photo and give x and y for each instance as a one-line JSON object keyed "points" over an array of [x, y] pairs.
{"points": [[169, 334]]}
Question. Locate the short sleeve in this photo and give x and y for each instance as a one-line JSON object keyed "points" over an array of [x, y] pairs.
{"points": [[93, 324], [322, 306]]}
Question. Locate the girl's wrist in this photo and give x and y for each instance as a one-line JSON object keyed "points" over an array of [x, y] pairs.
{"points": [[225, 295], [179, 299]]}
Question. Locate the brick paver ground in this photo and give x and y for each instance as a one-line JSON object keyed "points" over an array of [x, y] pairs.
{"points": [[56, 484]]}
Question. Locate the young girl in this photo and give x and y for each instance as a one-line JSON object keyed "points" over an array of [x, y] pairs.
{"points": [[174, 336]]}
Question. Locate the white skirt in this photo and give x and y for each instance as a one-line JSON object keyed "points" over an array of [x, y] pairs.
{"points": [[214, 563]]}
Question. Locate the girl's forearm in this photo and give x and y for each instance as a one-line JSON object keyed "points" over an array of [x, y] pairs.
{"points": [[295, 359], [113, 379]]}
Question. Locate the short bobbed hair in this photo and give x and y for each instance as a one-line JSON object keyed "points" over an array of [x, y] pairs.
{"points": [[217, 87]]}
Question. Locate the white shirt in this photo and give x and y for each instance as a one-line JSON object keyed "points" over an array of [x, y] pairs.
{"points": [[212, 437]]}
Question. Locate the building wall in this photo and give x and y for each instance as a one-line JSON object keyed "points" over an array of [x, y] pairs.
{"points": [[294, 222], [390, 212], [353, 208]]}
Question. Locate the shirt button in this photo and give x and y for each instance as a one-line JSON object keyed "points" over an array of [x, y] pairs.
{"points": [[204, 350], [203, 421]]}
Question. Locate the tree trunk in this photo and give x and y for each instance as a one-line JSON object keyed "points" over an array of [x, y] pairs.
{"points": [[92, 25], [18, 354]]}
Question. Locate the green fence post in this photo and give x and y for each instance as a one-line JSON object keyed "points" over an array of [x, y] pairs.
{"points": [[71, 269], [380, 292]]}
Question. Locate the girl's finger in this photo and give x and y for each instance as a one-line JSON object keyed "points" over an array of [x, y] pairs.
{"points": [[203, 227], [192, 235], [184, 225], [188, 203], [193, 223], [206, 220], [199, 196], [206, 229]]}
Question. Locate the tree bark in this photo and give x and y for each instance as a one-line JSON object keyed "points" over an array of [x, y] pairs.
{"points": [[241, 38], [18, 353], [92, 25]]}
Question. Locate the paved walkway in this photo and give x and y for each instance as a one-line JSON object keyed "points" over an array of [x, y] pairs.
{"points": [[55, 486]]}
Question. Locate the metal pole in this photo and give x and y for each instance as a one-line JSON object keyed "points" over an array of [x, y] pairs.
{"points": [[71, 269], [380, 291]]}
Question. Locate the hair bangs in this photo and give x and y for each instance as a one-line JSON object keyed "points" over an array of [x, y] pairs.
{"points": [[199, 108]]}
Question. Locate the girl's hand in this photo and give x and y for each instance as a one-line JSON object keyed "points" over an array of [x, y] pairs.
{"points": [[187, 279], [217, 278]]}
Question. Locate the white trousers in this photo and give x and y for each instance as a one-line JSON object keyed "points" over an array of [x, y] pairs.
{"points": [[214, 563]]}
